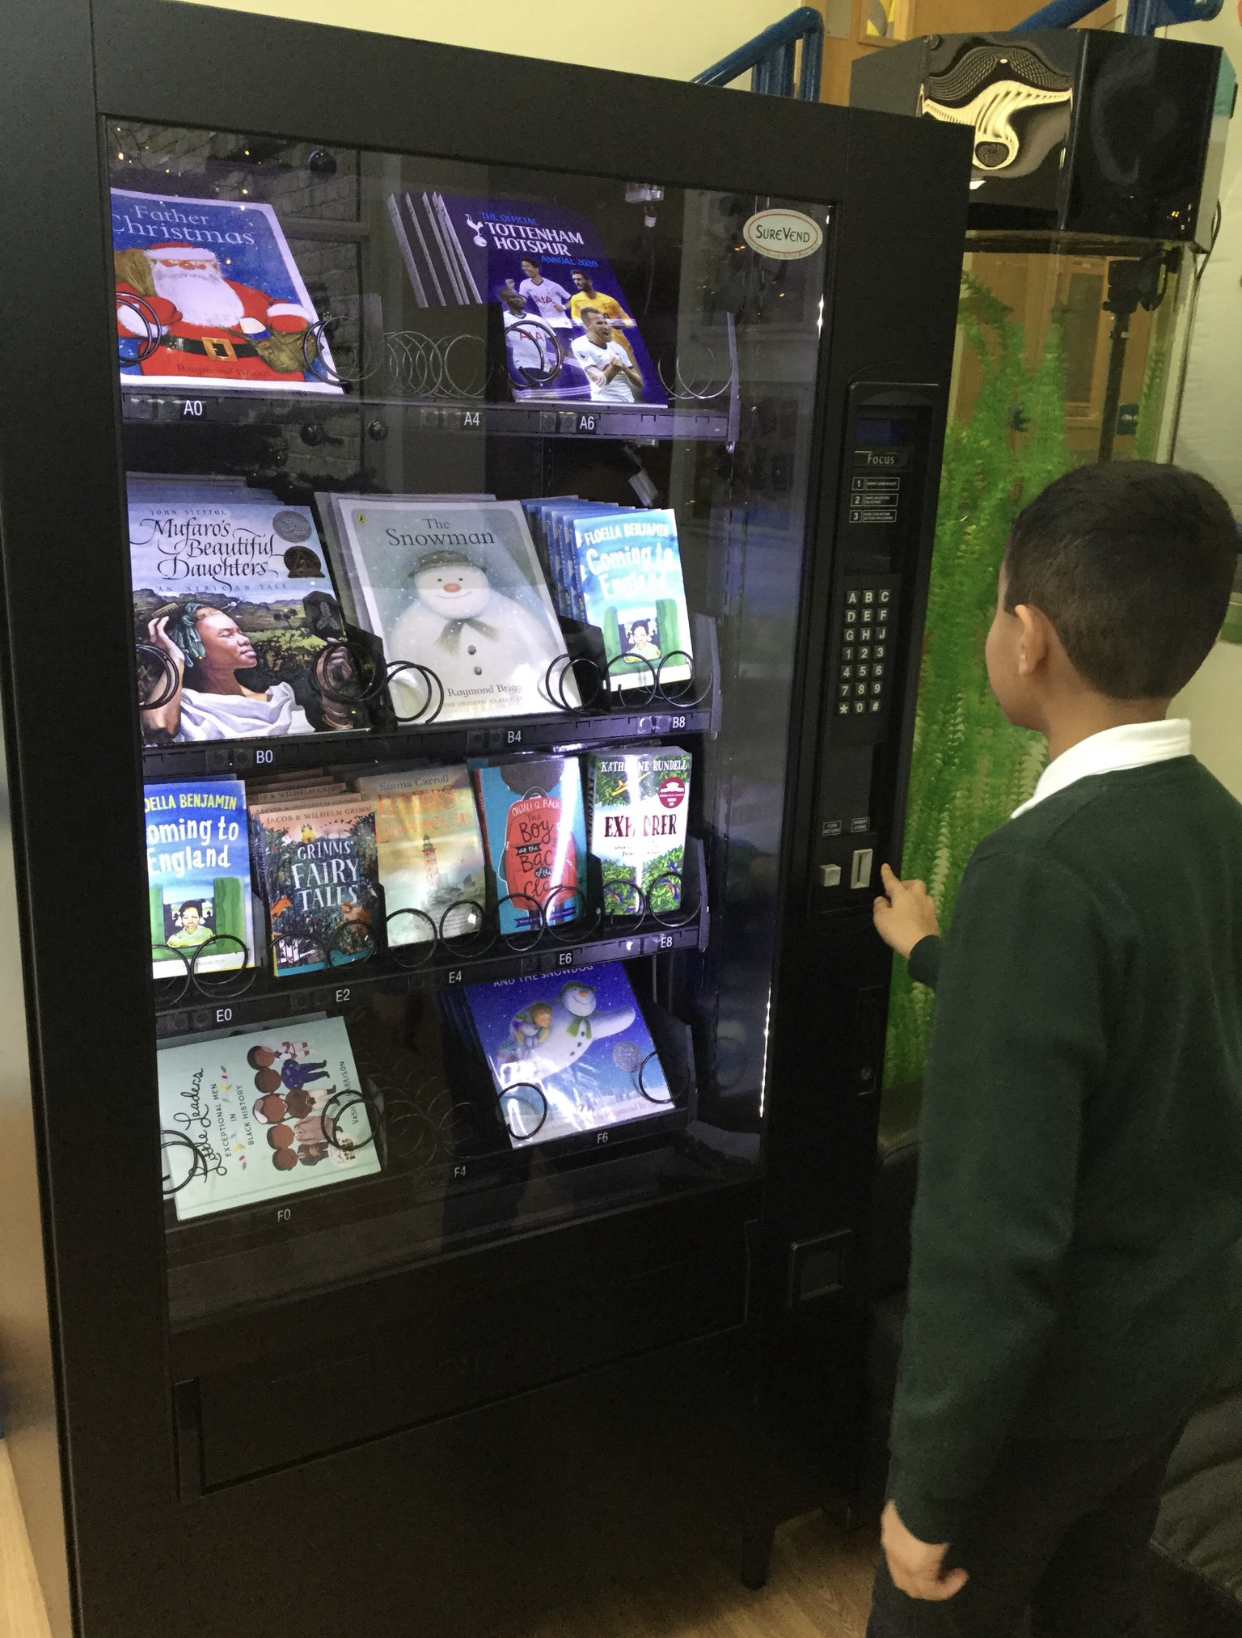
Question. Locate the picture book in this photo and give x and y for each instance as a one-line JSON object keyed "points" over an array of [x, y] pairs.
{"points": [[234, 613], [258, 1115], [198, 875], [565, 1051], [630, 569], [637, 803], [534, 830], [317, 861], [208, 296], [430, 853], [569, 328], [454, 586]]}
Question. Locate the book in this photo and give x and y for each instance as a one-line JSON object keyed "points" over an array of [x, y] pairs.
{"points": [[208, 295], [318, 865], [564, 313], [534, 830], [629, 565], [198, 875], [430, 853], [456, 587], [234, 613], [637, 805], [566, 1051], [267, 1114]]}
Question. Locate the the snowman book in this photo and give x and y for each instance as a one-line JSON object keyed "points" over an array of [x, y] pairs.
{"points": [[534, 829], [431, 863], [629, 567], [249, 1117], [198, 876], [235, 615], [454, 587], [569, 1053], [318, 863]]}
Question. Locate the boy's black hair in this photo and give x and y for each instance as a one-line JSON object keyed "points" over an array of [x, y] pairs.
{"points": [[1133, 563]]}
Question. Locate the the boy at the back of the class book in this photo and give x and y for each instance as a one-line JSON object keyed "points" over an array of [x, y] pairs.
{"points": [[1076, 1279]]}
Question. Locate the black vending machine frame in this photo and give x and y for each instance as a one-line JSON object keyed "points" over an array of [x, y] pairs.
{"points": [[100, 1414]]}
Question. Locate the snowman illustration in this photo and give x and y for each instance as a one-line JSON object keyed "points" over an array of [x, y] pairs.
{"points": [[574, 1027], [490, 653]]}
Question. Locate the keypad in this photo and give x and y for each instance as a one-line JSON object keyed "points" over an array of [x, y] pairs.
{"points": [[862, 670]]}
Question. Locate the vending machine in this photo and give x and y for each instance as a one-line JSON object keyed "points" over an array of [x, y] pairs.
{"points": [[465, 527]]}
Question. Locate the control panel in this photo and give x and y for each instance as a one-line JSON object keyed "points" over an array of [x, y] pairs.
{"points": [[880, 522]]}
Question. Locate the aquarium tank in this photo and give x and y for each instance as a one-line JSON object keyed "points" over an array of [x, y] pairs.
{"points": [[1092, 201]]}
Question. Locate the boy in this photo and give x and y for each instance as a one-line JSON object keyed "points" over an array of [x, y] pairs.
{"points": [[1076, 1281]]}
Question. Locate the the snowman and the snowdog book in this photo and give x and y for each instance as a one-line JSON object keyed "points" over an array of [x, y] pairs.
{"points": [[570, 1054]]}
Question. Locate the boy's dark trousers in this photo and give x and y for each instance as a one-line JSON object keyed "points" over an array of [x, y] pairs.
{"points": [[1062, 1529]]}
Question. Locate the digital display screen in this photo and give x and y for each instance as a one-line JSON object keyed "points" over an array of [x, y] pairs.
{"points": [[870, 434]]}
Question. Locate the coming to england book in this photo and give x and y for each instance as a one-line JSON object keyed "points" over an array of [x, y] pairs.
{"points": [[235, 614], [534, 830], [259, 1115], [208, 296], [430, 853], [637, 804], [455, 587], [629, 568], [318, 863], [566, 1052], [198, 875]]}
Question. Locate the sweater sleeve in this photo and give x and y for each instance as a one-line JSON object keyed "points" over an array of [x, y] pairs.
{"points": [[1019, 1040], [925, 961]]}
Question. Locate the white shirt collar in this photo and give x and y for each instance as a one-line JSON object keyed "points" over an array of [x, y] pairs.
{"points": [[1134, 745]]}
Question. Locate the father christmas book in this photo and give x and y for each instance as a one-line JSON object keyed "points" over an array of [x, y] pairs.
{"points": [[568, 1052], [235, 615], [456, 587], [208, 295], [249, 1117]]}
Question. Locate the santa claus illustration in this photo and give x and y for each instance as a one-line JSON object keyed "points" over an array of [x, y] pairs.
{"points": [[207, 325]]}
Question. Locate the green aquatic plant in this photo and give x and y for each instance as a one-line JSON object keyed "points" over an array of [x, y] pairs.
{"points": [[970, 767]]}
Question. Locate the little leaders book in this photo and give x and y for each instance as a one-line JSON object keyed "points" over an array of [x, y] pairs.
{"points": [[235, 615], [455, 587], [430, 853], [198, 875], [208, 295], [568, 1052], [637, 804], [246, 1118], [629, 566], [534, 829], [317, 860]]}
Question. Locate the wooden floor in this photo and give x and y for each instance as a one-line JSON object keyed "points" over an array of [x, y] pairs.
{"points": [[820, 1587]]}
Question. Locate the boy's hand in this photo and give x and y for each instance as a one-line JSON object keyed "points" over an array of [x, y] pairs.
{"points": [[904, 914], [917, 1567]]}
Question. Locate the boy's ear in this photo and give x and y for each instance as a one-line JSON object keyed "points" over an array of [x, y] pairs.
{"points": [[1034, 638]]}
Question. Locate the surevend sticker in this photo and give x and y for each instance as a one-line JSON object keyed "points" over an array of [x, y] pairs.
{"points": [[785, 235]]}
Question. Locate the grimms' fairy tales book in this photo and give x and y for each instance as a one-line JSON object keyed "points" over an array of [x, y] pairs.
{"points": [[319, 868], [431, 861], [455, 587], [251, 1117], [629, 567], [235, 615], [569, 1052], [208, 296], [637, 804], [198, 875]]}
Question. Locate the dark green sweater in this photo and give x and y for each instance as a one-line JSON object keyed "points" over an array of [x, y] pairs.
{"points": [[1077, 1256]]}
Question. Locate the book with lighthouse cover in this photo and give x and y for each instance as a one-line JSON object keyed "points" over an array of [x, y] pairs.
{"points": [[454, 586], [198, 875], [430, 852], [569, 1052], [250, 1117], [629, 570]]}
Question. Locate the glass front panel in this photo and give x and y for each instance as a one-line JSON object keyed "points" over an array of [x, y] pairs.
{"points": [[467, 508], [1069, 350]]}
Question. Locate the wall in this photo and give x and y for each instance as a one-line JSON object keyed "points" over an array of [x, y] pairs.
{"points": [[673, 38]]}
